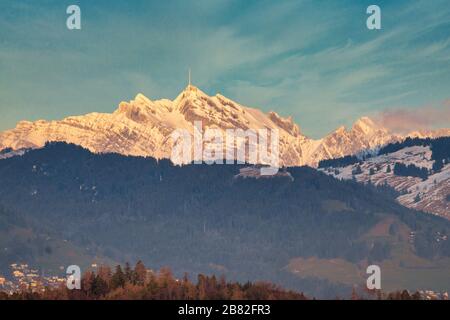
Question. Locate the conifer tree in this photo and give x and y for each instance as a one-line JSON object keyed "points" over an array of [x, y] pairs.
{"points": [[140, 272], [118, 279]]}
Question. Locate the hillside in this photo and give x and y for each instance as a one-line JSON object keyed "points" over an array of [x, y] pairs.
{"points": [[25, 241], [211, 219], [419, 169]]}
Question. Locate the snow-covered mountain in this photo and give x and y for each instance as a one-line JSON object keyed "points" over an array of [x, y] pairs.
{"points": [[143, 127], [365, 135]]}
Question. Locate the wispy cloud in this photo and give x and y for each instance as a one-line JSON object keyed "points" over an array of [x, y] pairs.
{"points": [[314, 61]]}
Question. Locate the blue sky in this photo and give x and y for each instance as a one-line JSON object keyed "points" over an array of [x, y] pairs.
{"points": [[314, 60]]}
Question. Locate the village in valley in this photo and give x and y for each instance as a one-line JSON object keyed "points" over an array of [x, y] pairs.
{"points": [[25, 277]]}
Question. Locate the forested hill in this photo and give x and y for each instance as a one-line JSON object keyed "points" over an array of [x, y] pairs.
{"points": [[419, 169], [440, 148], [206, 219]]}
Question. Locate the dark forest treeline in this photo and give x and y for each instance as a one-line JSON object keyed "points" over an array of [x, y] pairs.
{"points": [[410, 170], [142, 284], [139, 283], [440, 148], [339, 162]]}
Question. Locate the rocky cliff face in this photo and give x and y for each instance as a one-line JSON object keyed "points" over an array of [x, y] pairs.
{"points": [[143, 127]]}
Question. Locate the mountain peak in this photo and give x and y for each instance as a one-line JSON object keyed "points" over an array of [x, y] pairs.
{"points": [[190, 92], [340, 130], [193, 90], [142, 98], [366, 121], [191, 87], [365, 125], [142, 127]]}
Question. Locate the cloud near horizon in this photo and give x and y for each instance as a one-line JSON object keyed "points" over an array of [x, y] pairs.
{"points": [[404, 120]]}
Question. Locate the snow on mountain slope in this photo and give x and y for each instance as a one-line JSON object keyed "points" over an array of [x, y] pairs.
{"points": [[364, 135], [9, 153], [430, 133], [428, 195], [143, 127]]}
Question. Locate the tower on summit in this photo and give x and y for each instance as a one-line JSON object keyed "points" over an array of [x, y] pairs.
{"points": [[190, 86]]}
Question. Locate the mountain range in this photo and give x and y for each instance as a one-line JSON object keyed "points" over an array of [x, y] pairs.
{"points": [[100, 188], [143, 127]]}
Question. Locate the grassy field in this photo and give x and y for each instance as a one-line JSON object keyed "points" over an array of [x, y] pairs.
{"points": [[404, 270]]}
